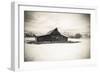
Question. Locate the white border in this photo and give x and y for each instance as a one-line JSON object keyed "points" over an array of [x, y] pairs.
{"points": [[18, 36]]}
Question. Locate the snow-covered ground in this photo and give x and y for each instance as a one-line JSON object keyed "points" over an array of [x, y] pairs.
{"points": [[58, 51]]}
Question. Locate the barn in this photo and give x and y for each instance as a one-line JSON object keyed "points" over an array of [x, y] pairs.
{"points": [[52, 37]]}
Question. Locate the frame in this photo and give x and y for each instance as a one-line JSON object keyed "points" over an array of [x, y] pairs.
{"points": [[18, 56]]}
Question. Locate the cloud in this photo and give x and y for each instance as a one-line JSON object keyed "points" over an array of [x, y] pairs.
{"points": [[40, 23]]}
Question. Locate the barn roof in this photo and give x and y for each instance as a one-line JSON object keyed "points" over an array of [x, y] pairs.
{"points": [[54, 32]]}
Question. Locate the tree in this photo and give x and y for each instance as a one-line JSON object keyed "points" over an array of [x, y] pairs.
{"points": [[78, 35]]}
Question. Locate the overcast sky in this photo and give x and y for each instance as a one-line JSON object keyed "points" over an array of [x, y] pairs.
{"points": [[40, 23]]}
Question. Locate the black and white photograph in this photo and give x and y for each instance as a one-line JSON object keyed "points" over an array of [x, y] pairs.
{"points": [[56, 36]]}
